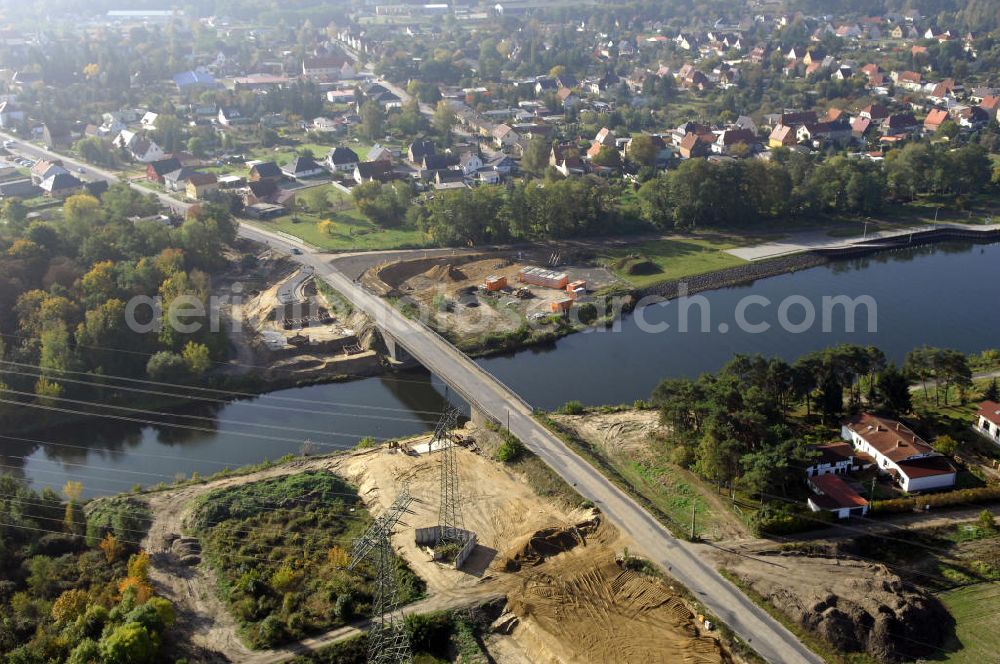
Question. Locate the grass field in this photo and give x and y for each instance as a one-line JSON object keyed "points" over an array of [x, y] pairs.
{"points": [[663, 260], [350, 233], [976, 610]]}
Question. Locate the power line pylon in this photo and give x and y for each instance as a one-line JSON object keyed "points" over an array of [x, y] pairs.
{"points": [[387, 639], [450, 515]]}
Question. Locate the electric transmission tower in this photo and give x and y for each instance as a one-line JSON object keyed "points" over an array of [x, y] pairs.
{"points": [[450, 516], [387, 640]]}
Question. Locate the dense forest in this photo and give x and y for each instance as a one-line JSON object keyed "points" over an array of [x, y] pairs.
{"points": [[65, 286]]}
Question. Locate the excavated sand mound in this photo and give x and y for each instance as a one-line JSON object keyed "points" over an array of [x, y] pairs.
{"points": [[533, 549], [447, 272]]}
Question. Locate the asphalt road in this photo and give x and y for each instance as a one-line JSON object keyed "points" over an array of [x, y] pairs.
{"points": [[687, 562]]}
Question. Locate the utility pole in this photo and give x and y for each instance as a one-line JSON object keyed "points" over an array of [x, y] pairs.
{"points": [[694, 518], [387, 639]]}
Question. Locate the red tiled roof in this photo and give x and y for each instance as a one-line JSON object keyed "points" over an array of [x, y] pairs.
{"points": [[926, 467], [991, 411], [834, 493], [834, 452], [892, 439]]}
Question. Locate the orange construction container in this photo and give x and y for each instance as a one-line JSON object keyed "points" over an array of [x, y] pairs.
{"points": [[561, 305], [495, 283], [538, 276], [575, 286]]}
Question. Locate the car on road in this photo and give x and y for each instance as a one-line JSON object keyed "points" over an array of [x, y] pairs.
{"points": [[81, 169], [296, 251], [9, 144]]}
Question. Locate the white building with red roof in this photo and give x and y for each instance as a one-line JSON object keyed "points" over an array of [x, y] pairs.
{"points": [[832, 494], [899, 452], [988, 420]]}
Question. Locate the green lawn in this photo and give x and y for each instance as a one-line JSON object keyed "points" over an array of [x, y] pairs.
{"points": [[976, 610], [663, 260], [352, 232]]}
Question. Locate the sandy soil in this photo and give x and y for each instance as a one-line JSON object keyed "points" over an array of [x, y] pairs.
{"points": [[627, 434], [447, 282], [570, 600], [853, 604]]}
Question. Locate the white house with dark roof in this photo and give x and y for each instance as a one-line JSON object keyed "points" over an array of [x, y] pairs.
{"points": [[899, 452], [988, 420], [342, 159]]}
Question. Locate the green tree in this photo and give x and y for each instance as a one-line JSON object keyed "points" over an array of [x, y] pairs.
{"points": [[893, 390], [536, 156], [946, 445], [642, 150], [609, 157], [443, 121], [130, 643], [167, 367], [196, 358], [372, 124]]}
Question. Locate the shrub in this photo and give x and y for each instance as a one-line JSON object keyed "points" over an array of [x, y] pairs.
{"points": [[572, 408], [780, 521], [429, 632], [271, 631], [510, 450], [587, 313], [84, 653], [978, 495]]}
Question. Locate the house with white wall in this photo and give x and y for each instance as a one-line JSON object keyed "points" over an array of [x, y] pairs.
{"points": [[833, 458], [832, 494], [988, 420], [899, 452]]}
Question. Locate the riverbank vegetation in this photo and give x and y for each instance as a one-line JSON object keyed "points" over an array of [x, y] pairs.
{"points": [[74, 586], [280, 548], [66, 286]]}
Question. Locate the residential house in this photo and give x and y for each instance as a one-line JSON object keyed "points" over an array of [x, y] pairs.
{"points": [[972, 117], [860, 127], [690, 77], [201, 186], [874, 112], [302, 167], [341, 159], [836, 458], [149, 119], [782, 136], [327, 67], [605, 137], [23, 188], [678, 134], [566, 159], [908, 80], [545, 84], [195, 78], [378, 94], [265, 170], [696, 145], [262, 191], [988, 420], [899, 124], [449, 179], [56, 136], [61, 185], [44, 169], [935, 118], [470, 163], [157, 169], [832, 494], [436, 162], [899, 452], [990, 104], [138, 147], [504, 136], [10, 115], [379, 153], [230, 116], [502, 164], [418, 150], [367, 171], [796, 118], [728, 141], [176, 180], [567, 98]]}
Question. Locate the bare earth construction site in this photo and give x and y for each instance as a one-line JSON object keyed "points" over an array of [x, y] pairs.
{"points": [[567, 593]]}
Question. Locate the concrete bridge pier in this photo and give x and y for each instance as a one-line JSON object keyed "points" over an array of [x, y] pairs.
{"points": [[397, 354]]}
